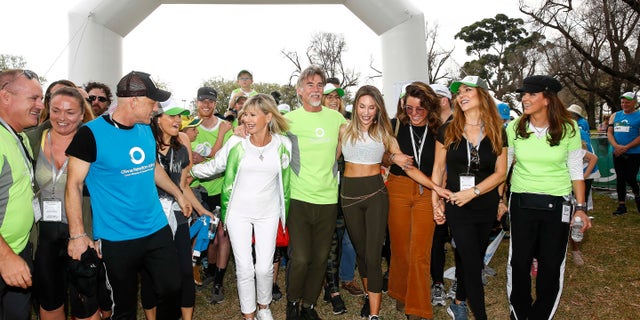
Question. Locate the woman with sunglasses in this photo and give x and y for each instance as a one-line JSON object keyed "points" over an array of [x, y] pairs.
{"points": [[548, 153], [411, 224], [471, 150]]}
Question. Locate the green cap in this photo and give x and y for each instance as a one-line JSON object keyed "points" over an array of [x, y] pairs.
{"points": [[471, 81]]}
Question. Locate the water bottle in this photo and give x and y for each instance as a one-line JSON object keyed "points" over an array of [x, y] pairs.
{"points": [[576, 234]]}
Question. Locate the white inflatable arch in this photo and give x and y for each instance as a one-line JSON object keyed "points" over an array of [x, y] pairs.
{"points": [[97, 53]]}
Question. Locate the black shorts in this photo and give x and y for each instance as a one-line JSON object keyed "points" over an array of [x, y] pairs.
{"points": [[50, 272]]}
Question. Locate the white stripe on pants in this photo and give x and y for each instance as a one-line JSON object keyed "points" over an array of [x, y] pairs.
{"points": [[240, 227]]}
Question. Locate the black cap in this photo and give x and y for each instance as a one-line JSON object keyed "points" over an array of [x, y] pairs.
{"points": [[540, 83], [139, 84], [207, 93], [83, 273]]}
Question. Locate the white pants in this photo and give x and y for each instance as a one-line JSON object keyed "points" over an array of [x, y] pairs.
{"points": [[240, 227]]}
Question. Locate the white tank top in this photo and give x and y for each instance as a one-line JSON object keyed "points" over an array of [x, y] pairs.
{"points": [[364, 151]]}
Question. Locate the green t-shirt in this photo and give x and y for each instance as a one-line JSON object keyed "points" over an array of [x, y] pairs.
{"points": [[209, 137], [315, 141], [16, 194], [541, 168]]}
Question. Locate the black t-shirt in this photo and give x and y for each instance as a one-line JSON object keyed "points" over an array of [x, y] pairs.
{"points": [[404, 141], [83, 146], [457, 162]]}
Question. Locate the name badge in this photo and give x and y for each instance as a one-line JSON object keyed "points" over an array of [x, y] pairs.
{"points": [[619, 128], [37, 213], [467, 181], [566, 211], [52, 210]]}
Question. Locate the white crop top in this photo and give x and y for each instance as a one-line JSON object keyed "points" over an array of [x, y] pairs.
{"points": [[364, 151]]}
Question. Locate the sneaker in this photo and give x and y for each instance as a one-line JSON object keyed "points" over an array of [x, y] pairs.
{"points": [[458, 311], [276, 294], [438, 296], [264, 314], [451, 294], [352, 287], [365, 311], [218, 294], [293, 310], [622, 209], [209, 276], [577, 258], [338, 305], [374, 317], [309, 313]]}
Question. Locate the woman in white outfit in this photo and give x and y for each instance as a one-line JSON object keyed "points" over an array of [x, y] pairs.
{"points": [[255, 194]]}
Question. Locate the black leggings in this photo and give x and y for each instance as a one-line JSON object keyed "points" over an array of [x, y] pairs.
{"points": [[440, 238], [626, 167], [366, 207]]}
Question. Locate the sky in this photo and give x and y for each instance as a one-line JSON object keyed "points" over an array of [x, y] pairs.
{"points": [[184, 45]]}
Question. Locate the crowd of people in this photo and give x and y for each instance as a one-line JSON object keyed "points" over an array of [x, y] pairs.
{"points": [[99, 196]]}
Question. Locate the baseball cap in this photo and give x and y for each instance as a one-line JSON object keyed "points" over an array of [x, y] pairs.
{"points": [[441, 90], [284, 108], [139, 84], [189, 122], [328, 88], [539, 83], [576, 109], [504, 111], [171, 108], [207, 93], [471, 81], [628, 95]]}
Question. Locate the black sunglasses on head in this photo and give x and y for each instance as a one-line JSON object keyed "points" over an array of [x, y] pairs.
{"points": [[100, 98], [27, 74]]}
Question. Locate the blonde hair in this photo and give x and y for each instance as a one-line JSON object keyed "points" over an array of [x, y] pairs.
{"points": [[266, 104], [380, 128]]}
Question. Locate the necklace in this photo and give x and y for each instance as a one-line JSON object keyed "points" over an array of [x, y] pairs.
{"points": [[479, 124], [265, 144]]}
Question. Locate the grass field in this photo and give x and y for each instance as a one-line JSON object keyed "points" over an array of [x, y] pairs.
{"points": [[606, 287]]}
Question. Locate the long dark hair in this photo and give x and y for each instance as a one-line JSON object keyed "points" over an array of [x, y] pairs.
{"points": [[559, 120], [157, 133], [428, 100]]}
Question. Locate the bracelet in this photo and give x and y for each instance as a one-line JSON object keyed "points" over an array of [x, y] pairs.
{"points": [[501, 200], [582, 208], [82, 235], [391, 156]]}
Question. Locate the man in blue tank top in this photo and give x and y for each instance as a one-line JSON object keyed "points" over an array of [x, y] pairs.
{"points": [[115, 156], [624, 136]]}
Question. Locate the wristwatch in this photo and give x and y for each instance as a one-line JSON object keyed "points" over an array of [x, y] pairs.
{"points": [[476, 191]]}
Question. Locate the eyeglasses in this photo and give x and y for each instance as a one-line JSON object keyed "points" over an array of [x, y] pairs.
{"points": [[474, 164], [100, 98], [27, 74], [418, 110]]}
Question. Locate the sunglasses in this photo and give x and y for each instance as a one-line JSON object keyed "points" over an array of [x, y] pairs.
{"points": [[100, 98], [27, 74], [418, 110], [474, 165]]}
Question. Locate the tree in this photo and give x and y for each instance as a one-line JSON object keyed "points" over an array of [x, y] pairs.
{"points": [[325, 50], [437, 57], [224, 88], [505, 52], [9, 61], [604, 33]]}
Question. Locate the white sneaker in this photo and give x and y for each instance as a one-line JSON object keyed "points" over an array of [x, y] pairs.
{"points": [[264, 314]]}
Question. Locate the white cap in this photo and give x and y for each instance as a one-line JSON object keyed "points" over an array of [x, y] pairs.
{"points": [[441, 90], [284, 108]]}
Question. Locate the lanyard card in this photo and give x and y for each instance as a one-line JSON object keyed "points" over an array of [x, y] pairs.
{"points": [[467, 181]]}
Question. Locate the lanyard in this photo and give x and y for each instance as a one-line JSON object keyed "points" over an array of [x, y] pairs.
{"points": [[28, 160], [55, 174], [469, 150], [418, 153]]}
